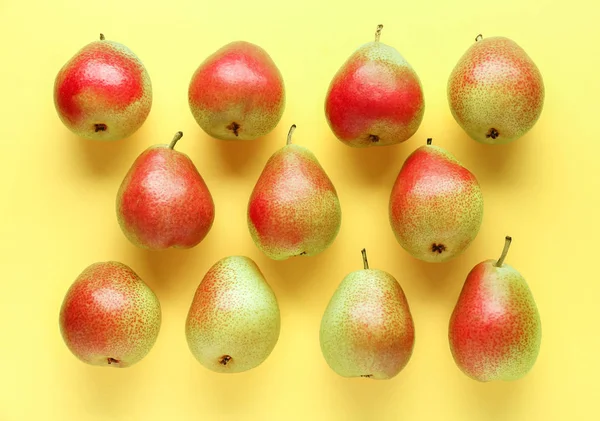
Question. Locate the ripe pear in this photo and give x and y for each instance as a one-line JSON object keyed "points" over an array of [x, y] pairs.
{"points": [[375, 98], [233, 322], [237, 93], [294, 209], [495, 91], [495, 329], [436, 205], [163, 201], [109, 316], [103, 92], [367, 329]]}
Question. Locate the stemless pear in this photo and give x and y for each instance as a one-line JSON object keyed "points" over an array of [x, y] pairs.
{"points": [[375, 98], [233, 322], [103, 92], [495, 330], [109, 317], [367, 329], [237, 93], [294, 209], [495, 91], [436, 205]]}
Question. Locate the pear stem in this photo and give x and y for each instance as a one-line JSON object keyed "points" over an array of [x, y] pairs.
{"points": [[176, 138], [289, 138], [378, 32], [364, 256], [101, 37], [429, 140], [507, 242], [478, 38]]}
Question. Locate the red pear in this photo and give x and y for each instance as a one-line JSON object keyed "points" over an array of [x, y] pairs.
{"points": [[495, 330], [163, 201], [103, 92], [109, 316], [294, 209], [375, 98], [237, 93], [436, 205]]}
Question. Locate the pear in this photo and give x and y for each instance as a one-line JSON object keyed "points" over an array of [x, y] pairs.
{"points": [[294, 209], [495, 330], [367, 329], [237, 93], [436, 205], [109, 317], [495, 91], [163, 202], [103, 92], [233, 322], [375, 98]]}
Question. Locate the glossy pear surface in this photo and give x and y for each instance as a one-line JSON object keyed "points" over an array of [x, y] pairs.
{"points": [[103, 92], [375, 98], [237, 93], [163, 201]]}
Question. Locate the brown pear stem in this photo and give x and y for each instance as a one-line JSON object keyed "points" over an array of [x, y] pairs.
{"points": [[101, 37], [364, 256], [429, 140], [176, 138], [478, 38], [504, 252], [378, 32], [290, 133]]}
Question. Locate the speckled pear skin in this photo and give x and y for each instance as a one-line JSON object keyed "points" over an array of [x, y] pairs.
{"points": [[109, 317], [436, 205], [294, 209], [495, 329], [367, 329], [163, 201], [103, 92], [233, 322], [375, 98], [495, 91], [237, 93]]}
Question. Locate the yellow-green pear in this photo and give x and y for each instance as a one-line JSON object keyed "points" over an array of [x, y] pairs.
{"points": [[233, 322], [367, 329]]}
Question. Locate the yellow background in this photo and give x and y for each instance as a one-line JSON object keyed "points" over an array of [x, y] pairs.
{"points": [[58, 193]]}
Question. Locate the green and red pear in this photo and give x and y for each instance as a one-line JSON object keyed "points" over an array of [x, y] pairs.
{"points": [[294, 209], [237, 93], [375, 98], [367, 329], [109, 317], [495, 91], [103, 92], [234, 321], [495, 330], [163, 201], [436, 205]]}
